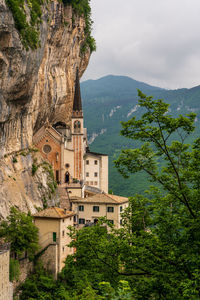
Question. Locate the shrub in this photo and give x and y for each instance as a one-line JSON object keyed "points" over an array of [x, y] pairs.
{"points": [[34, 168], [14, 160], [14, 269]]}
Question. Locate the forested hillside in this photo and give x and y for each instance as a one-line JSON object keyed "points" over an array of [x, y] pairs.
{"points": [[112, 99]]}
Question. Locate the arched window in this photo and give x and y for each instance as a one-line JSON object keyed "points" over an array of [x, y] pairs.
{"points": [[77, 126]]}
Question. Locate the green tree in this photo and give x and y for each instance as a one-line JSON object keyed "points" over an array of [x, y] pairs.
{"points": [[20, 231], [168, 244]]}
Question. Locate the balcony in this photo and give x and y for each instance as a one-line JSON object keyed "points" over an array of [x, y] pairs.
{"points": [[73, 184]]}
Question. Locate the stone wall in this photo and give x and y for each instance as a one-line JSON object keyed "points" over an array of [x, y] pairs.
{"points": [[5, 285], [50, 259]]}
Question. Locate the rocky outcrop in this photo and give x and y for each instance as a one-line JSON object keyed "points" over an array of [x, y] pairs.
{"points": [[35, 86], [26, 182], [38, 84]]}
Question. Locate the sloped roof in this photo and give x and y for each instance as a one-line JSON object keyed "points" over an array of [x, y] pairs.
{"points": [[77, 105], [95, 153], [54, 212], [101, 198]]}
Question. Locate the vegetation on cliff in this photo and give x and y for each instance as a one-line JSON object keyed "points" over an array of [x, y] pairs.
{"points": [[82, 8], [29, 29]]}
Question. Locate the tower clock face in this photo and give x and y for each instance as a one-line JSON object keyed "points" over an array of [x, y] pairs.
{"points": [[47, 149]]}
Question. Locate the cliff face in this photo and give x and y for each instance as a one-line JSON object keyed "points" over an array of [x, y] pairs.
{"points": [[35, 85]]}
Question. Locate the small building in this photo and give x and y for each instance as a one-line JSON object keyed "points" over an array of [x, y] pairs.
{"points": [[6, 290], [90, 209], [53, 225]]}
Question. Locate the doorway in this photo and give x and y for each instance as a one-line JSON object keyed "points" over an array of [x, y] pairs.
{"points": [[67, 177]]}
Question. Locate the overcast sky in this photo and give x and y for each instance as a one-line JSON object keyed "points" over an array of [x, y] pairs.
{"points": [[155, 41]]}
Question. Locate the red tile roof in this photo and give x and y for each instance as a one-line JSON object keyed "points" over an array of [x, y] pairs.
{"points": [[54, 212]]}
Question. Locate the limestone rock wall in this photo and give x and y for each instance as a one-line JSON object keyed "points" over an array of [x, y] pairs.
{"points": [[35, 85], [21, 188]]}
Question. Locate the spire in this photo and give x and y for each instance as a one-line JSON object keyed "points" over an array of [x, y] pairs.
{"points": [[77, 105]]}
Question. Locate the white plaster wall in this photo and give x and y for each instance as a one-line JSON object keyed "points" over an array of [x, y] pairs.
{"points": [[91, 169], [104, 174]]}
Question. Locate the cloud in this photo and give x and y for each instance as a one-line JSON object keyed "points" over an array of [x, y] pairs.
{"points": [[156, 41]]}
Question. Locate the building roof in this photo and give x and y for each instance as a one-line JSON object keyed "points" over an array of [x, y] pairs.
{"points": [[54, 212], [77, 105], [101, 198], [95, 153]]}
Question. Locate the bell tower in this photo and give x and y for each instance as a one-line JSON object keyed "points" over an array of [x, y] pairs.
{"points": [[77, 131]]}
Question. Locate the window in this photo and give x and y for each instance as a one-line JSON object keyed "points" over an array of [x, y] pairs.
{"points": [[87, 162], [57, 156], [95, 174], [57, 176], [87, 182], [96, 183], [121, 222], [81, 221], [111, 221], [96, 208], [77, 126], [47, 149], [54, 236], [87, 174], [81, 208], [110, 209], [121, 208], [63, 249], [96, 162], [91, 182], [63, 233]]}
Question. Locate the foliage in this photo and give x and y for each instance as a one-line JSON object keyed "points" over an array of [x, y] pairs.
{"points": [[14, 270], [28, 30], [171, 213], [44, 201], [14, 160], [20, 231], [34, 169], [41, 285], [82, 8]]}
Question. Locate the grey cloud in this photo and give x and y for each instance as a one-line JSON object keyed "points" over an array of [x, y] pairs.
{"points": [[156, 41]]}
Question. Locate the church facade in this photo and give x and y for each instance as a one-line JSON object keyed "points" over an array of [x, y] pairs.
{"points": [[65, 146]]}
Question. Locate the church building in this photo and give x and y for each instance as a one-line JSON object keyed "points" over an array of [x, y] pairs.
{"points": [[77, 169]]}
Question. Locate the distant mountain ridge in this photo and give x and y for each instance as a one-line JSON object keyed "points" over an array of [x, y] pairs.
{"points": [[114, 86], [111, 99]]}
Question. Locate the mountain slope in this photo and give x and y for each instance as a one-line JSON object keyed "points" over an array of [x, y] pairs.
{"points": [[112, 99]]}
